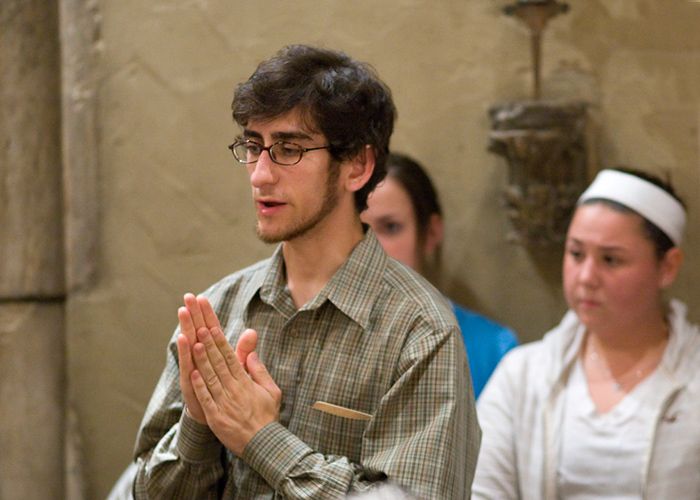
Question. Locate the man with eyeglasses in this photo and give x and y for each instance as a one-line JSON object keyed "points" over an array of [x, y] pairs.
{"points": [[348, 368]]}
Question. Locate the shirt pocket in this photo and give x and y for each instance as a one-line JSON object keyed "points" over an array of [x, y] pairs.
{"points": [[332, 434]]}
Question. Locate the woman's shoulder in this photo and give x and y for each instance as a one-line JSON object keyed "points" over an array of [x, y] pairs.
{"points": [[520, 381], [545, 357], [525, 357], [683, 352]]}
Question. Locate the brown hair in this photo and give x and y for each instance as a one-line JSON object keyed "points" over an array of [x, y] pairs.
{"points": [[416, 182]]}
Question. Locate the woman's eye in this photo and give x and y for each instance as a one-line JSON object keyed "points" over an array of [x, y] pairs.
{"points": [[577, 255], [612, 260], [393, 228], [388, 228]]}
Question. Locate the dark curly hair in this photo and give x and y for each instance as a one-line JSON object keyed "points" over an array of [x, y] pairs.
{"points": [[342, 98]]}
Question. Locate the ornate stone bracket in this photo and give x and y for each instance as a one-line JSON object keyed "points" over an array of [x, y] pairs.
{"points": [[545, 146]]}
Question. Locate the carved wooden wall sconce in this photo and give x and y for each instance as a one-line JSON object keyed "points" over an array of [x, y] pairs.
{"points": [[544, 144]]}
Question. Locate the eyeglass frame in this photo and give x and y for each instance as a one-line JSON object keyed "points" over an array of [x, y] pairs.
{"points": [[302, 151]]}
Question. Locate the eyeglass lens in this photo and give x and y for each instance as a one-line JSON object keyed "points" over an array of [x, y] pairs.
{"points": [[284, 153]]}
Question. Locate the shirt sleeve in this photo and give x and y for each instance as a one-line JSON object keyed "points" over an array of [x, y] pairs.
{"points": [[176, 456], [424, 435]]}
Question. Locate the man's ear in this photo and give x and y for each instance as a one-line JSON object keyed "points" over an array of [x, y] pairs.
{"points": [[670, 265], [360, 169]]}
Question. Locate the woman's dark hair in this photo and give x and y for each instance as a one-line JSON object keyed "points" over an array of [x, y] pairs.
{"points": [[662, 242], [415, 181], [342, 98]]}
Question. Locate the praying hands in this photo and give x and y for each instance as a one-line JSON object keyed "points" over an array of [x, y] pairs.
{"points": [[230, 391]]}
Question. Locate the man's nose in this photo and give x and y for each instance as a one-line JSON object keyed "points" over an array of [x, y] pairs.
{"points": [[262, 171]]}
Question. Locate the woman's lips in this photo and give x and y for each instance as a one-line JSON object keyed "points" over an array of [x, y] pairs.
{"points": [[588, 303]]}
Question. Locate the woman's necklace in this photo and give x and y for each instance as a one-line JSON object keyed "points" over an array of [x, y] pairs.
{"points": [[627, 380], [620, 383]]}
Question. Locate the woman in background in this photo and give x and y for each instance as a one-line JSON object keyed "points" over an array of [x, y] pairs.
{"points": [[405, 214], [607, 405]]}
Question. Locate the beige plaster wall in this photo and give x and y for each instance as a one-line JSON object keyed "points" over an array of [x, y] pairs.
{"points": [[175, 210]]}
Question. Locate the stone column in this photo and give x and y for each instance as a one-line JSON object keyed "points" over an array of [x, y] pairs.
{"points": [[32, 289], [81, 42]]}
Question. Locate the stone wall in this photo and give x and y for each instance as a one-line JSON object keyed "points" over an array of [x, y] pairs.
{"points": [[32, 291]]}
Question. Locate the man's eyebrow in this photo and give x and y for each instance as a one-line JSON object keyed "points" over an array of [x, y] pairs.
{"points": [[247, 134], [279, 136], [296, 135]]}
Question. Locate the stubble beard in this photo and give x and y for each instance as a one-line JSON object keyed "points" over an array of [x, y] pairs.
{"points": [[300, 228]]}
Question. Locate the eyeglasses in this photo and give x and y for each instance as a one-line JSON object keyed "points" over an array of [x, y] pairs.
{"points": [[281, 152]]}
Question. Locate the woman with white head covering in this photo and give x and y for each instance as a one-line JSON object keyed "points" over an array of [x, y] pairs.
{"points": [[607, 404]]}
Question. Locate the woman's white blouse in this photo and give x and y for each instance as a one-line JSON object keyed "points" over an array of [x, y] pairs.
{"points": [[602, 454]]}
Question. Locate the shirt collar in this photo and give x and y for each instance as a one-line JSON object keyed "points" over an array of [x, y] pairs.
{"points": [[352, 289], [273, 285]]}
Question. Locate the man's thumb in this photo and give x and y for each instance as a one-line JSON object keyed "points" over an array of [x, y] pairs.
{"points": [[246, 344], [262, 377]]}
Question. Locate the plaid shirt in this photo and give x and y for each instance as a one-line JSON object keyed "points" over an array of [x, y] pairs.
{"points": [[377, 339]]}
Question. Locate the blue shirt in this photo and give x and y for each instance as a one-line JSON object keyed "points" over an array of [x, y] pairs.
{"points": [[486, 342]]}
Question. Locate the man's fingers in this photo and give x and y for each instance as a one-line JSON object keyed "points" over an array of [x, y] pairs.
{"points": [[246, 344], [202, 393], [207, 371], [227, 352], [262, 377], [210, 319], [233, 365], [184, 356], [186, 325], [193, 307], [219, 352]]}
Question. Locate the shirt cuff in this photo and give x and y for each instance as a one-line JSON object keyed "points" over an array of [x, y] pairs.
{"points": [[196, 443], [274, 452]]}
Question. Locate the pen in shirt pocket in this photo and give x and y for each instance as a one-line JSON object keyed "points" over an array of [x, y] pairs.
{"points": [[340, 411]]}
